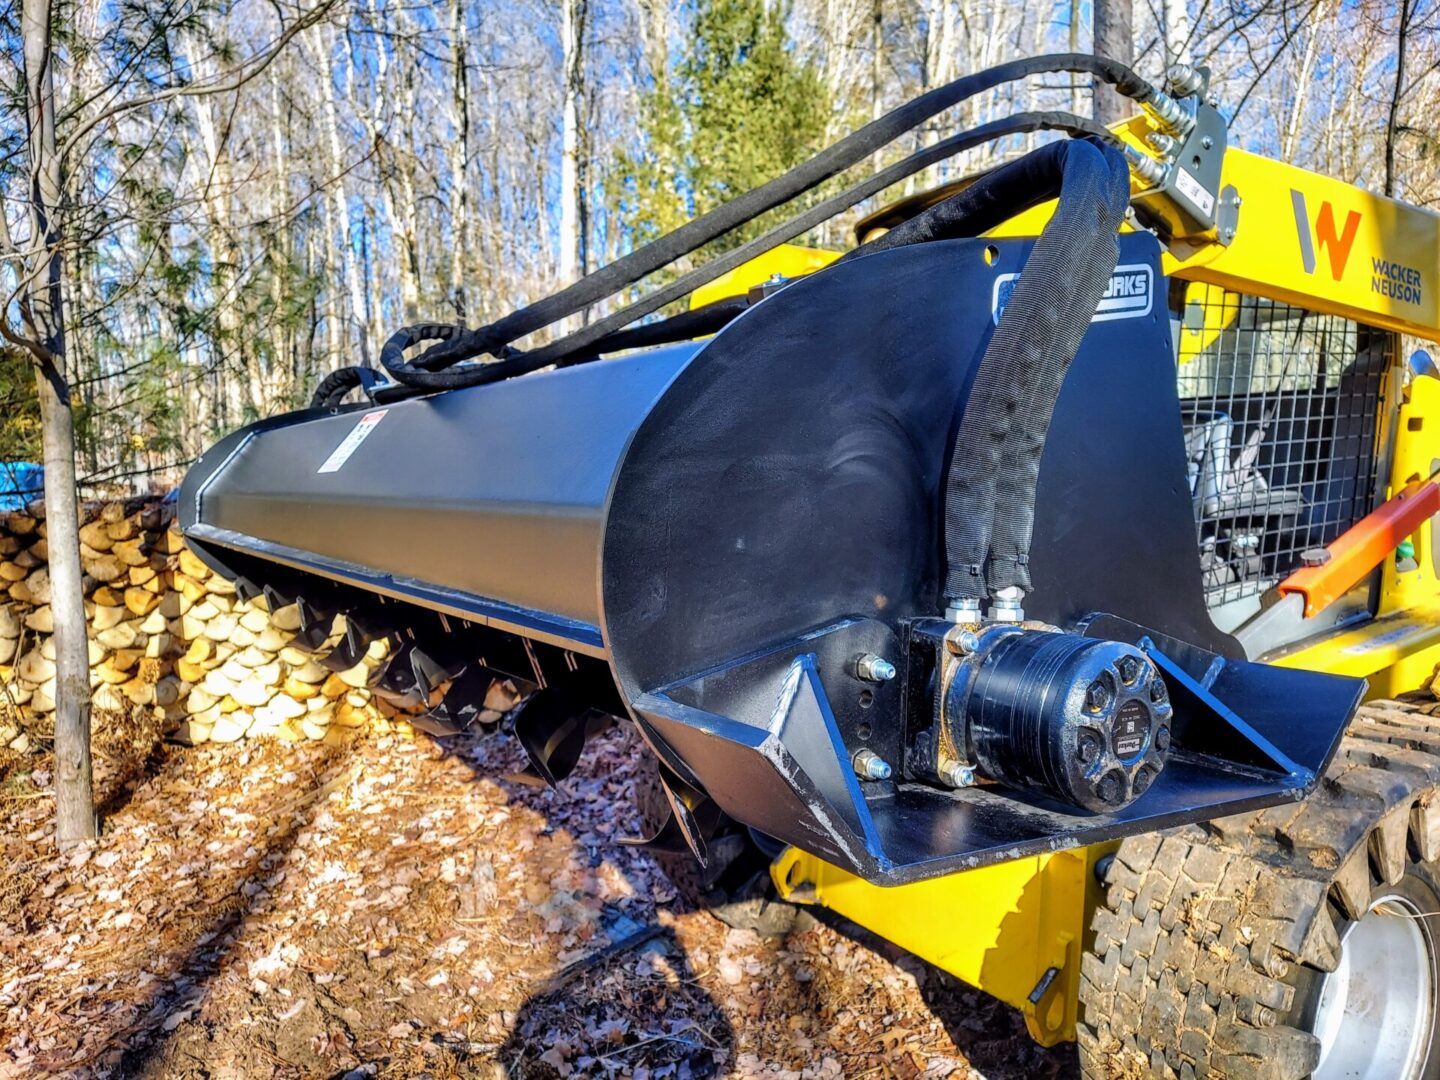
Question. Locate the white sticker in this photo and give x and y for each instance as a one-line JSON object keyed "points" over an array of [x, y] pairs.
{"points": [[1195, 191], [1129, 294], [358, 434]]}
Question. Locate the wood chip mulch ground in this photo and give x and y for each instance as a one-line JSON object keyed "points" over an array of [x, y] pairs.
{"points": [[411, 907]]}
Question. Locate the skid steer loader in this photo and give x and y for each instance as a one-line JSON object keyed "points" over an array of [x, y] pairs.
{"points": [[1009, 584]]}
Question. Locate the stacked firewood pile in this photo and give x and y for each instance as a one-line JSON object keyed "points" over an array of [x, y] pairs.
{"points": [[166, 635]]}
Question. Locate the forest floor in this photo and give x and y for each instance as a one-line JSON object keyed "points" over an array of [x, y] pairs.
{"points": [[412, 907]]}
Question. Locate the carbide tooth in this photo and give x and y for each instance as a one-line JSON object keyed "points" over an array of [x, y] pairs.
{"points": [[552, 725], [694, 820], [315, 626], [461, 705], [246, 590], [275, 599], [353, 646], [431, 672], [395, 681]]}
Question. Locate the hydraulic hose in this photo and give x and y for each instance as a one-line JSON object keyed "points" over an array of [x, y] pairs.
{"points": [[593, 339], [995, 463], [334, 386], [461, 344], [709, 319]]}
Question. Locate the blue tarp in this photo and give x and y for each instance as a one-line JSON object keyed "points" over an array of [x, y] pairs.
{"points": [[20, 483]]}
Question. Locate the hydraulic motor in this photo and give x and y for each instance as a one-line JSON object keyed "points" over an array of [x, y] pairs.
{"points": [[1083, 721]]}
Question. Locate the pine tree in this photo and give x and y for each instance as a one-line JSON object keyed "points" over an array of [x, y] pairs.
{"points": [[737, 108]]}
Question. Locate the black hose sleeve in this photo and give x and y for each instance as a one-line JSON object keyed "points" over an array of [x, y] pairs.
{"points": [[687, 325], [834, 159], [583, 342], [334, 386], [990, 490]]}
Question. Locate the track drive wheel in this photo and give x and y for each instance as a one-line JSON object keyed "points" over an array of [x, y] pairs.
{"points": [[735, 887], [1302, 940]]}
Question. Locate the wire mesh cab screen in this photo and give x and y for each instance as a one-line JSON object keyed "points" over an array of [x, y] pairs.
{"points": [[1282, 412]]}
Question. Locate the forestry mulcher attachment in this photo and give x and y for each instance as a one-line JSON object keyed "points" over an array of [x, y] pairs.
{"points": [[1007, 585]]}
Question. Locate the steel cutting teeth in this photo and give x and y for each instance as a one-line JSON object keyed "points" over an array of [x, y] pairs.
{"points": [[275, 599], [316, 625], [552, 725], [353, 645], [246, 590], [461, 705], [395, 680]]}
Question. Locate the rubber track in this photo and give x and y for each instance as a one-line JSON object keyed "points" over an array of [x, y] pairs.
{"points": [[1199, 936]]}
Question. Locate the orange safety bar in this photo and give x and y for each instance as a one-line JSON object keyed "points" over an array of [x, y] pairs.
{"points": [[1364, 546]]}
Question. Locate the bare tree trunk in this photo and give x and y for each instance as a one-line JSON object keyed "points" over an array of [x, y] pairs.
{"points": [[1392, 121], [1291, 140], [349, 305], [572, 34], [44, 320], [459, 157], [1114, 39]]}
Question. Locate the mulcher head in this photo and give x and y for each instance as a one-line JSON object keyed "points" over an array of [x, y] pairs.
{"points": [[900, 567]]}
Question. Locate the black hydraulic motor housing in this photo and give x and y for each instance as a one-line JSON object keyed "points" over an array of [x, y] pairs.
{"points": [[744, 545], [1085, 721]]}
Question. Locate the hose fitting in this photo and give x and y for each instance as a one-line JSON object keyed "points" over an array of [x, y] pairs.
{"points": [[1172, 116], [1150, 171]]}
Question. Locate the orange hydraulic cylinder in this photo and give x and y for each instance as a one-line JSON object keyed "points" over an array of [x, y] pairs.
{"points": [[1363, 546]]}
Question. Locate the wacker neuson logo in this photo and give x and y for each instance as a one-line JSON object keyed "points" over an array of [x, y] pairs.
{"points": [[1129, 295], [1388, 277]]}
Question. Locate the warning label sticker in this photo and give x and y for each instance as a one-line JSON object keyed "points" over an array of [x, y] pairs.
{"points": [[357, 435]]}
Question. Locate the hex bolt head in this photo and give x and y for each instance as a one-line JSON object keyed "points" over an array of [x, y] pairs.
{"points": [[1129, 669], [1098, 696], [1158, 691], [964, 643], [1141, 781], [1088, 745], [957, 774], [1111, 788], [874, 668], [870, 765], [1162, 739]]}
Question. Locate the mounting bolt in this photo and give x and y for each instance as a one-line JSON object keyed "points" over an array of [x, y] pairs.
{"points": [[1140, 782], [874, 668], [1129, 669], [1276, 966], [1088, 745], [957, 774], [1314, 557], [1098, 696], [870, 765], [1206, 142], [963, 642]]}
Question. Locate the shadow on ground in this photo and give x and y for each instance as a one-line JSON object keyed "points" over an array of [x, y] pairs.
{"points": [[407, 908]]}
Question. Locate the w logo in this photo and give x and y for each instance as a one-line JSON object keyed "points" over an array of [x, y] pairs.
{"points": [[1323, 235]]}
